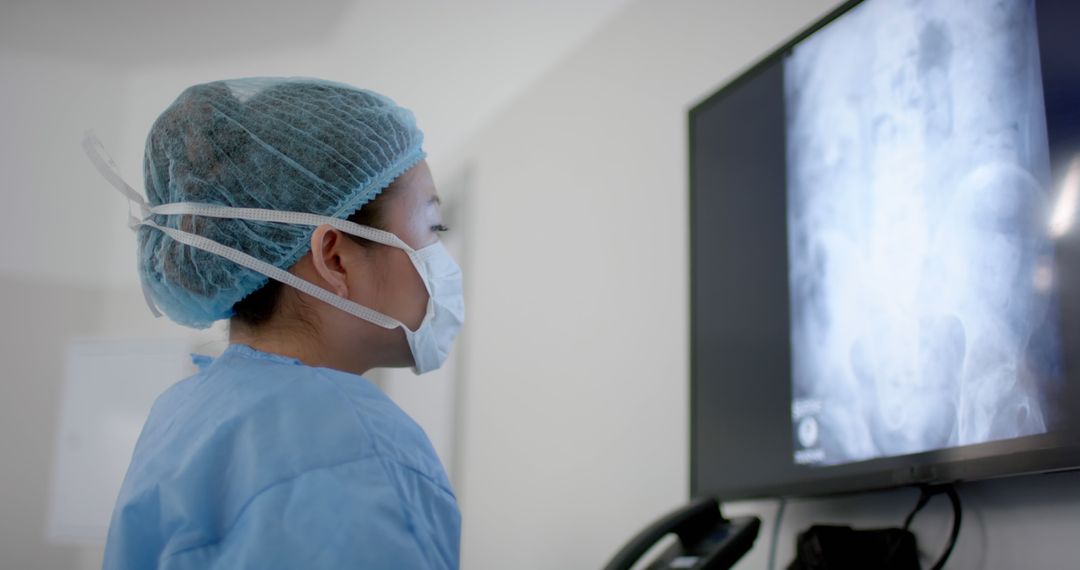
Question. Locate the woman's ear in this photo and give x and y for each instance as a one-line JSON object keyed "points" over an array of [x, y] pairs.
{"points": [[327, 246]]}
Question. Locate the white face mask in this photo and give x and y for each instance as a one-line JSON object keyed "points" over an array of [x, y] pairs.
{"points": [[430, 343]]}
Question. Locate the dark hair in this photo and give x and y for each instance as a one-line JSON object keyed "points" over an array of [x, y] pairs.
{"points": [[258, 308]]}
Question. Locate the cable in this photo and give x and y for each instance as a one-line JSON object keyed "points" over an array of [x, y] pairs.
{"points": [[954, 498], [924, 497], [776, 532]]}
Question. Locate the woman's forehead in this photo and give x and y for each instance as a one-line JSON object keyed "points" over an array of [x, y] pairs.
{"points": [[416, 187]]}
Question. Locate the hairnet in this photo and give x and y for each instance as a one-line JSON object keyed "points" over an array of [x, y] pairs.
{"points": [[289, 144]]}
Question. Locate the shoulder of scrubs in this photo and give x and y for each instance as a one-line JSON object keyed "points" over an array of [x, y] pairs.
{"points": [[260, 461]]}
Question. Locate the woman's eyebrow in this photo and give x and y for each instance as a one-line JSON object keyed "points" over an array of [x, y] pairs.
{"points": [[435, 200]]}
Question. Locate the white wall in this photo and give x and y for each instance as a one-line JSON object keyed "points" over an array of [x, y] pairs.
{"points": [[576, 423]]}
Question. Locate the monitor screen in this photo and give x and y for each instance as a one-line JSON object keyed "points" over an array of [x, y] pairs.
{"points": [[885, 260]]}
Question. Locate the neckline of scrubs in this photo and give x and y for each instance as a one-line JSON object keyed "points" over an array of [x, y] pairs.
{"points": [[245, 351], [237, 348]]}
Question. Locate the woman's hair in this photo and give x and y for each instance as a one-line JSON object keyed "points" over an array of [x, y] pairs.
{"points": [[258, 308]]}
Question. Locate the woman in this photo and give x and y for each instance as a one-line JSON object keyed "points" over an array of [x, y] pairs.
{"points": [[279, 454]]}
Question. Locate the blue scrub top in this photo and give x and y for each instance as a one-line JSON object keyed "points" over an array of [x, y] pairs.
{"points": [[259, 461]]}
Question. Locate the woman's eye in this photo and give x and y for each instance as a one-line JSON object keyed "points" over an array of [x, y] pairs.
{"points": [[440, 228]]}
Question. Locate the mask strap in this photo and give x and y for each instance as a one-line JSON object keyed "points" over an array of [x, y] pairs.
{"points": [[107, 168], [278, 274], [295, 218]]}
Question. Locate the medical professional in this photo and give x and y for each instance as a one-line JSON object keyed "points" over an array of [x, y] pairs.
{"points": [[303, 211]]}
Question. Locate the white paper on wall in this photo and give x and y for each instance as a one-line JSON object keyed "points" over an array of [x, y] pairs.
{"points": [[108, 389]]}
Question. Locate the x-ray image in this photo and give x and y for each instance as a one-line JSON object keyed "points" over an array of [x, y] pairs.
{"points": [[921, 271]]}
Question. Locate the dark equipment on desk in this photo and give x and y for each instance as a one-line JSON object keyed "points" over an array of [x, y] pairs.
{"points": [[844, 548], [707, 541]]}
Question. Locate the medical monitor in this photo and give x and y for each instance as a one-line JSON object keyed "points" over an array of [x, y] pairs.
{"points": [[885, 253]]}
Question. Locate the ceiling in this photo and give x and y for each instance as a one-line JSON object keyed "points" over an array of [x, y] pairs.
{"points": [[454, 63]]}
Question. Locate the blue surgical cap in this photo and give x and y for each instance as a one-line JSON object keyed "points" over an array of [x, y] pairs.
{"points": [[289, 144]]}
